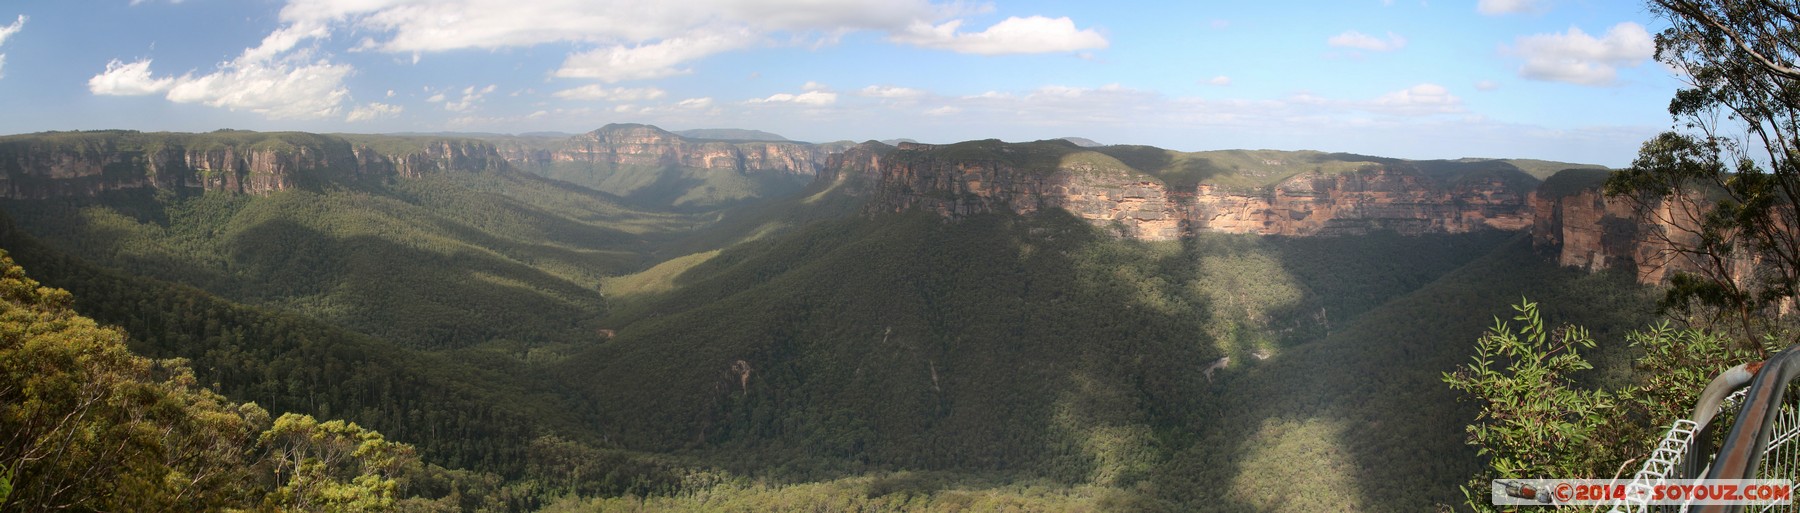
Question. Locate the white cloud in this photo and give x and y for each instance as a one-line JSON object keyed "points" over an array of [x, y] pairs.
{"points": [[1420, 99], [891, 92], [814, 86], [1034, 34], [942, 111], [6, 32], [14, 28], [1220, 81], [1487, 85], [1499, 7], [470, 97], [1361, 41], [622, 40], [373, 110], [133, 79], [816, 98], [434, 98], [617, 94], [405, 26], [277, 79], [655, 60], [1578, 58], [695, 103], [274, 90]]}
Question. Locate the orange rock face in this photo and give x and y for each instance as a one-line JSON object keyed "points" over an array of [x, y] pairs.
{"points": [[1141, 207], [1351, 203], [1589, 230]]}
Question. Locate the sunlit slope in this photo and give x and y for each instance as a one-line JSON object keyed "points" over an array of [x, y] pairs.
{"points": [[447, 260], [1361, 421], [1031, 346], [473, 408]]}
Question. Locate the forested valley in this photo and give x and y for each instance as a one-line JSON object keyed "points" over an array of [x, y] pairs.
{"points": [[522, 344]]}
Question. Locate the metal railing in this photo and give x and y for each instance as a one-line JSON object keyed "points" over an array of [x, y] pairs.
{"points": [[1763, 441]]}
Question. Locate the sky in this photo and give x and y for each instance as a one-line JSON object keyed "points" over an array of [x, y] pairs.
{"points": [[1569, 80]]}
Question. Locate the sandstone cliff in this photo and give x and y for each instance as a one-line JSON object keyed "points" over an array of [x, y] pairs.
{"points": [[1576, 223], [654, 168], [988, 176], [90, 163], [649, 146]]}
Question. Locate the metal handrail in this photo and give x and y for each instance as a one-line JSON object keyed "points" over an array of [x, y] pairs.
{"points": [[1682, 452], [1743, 449]]}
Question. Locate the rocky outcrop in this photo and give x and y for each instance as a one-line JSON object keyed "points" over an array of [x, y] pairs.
{"points": [[1575, 222], [1376, 198], [914, 176], [953, 181], [90, 163]]}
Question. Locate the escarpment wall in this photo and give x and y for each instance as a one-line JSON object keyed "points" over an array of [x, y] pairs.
{"points": [[87, 166], [1142, 206]]}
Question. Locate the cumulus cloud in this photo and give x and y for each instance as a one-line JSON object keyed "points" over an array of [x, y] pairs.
{"points": [[695, 103], [1220, 81], [621, 40], [278, 79], [814, 98], [891, 92], [374, 110], [128, 79], [1361, 41], [1034, 34], [1499, 7], [656, 60], [1578, 58], [618, 94], [6, 32], [278, 91]]}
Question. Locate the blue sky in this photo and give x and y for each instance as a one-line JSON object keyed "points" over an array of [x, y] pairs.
{"points": [[1565, 80]]}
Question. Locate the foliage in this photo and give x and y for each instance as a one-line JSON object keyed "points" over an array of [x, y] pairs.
{"points": [[1533, 421], [331, 466], [1538, 420], [92, 427], [1572, 181]]}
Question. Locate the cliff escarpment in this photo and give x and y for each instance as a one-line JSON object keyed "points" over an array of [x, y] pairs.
{"points": [[1578, 224], [658, 168], [647, 145], [1168, 196], [77, 164]]}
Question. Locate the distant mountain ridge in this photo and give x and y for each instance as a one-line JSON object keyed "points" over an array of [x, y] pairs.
{"points": [[1084, 142], [731, 134], [659, 168]]}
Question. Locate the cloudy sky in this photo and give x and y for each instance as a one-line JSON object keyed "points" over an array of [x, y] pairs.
{"points": [[1556, 79]]}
